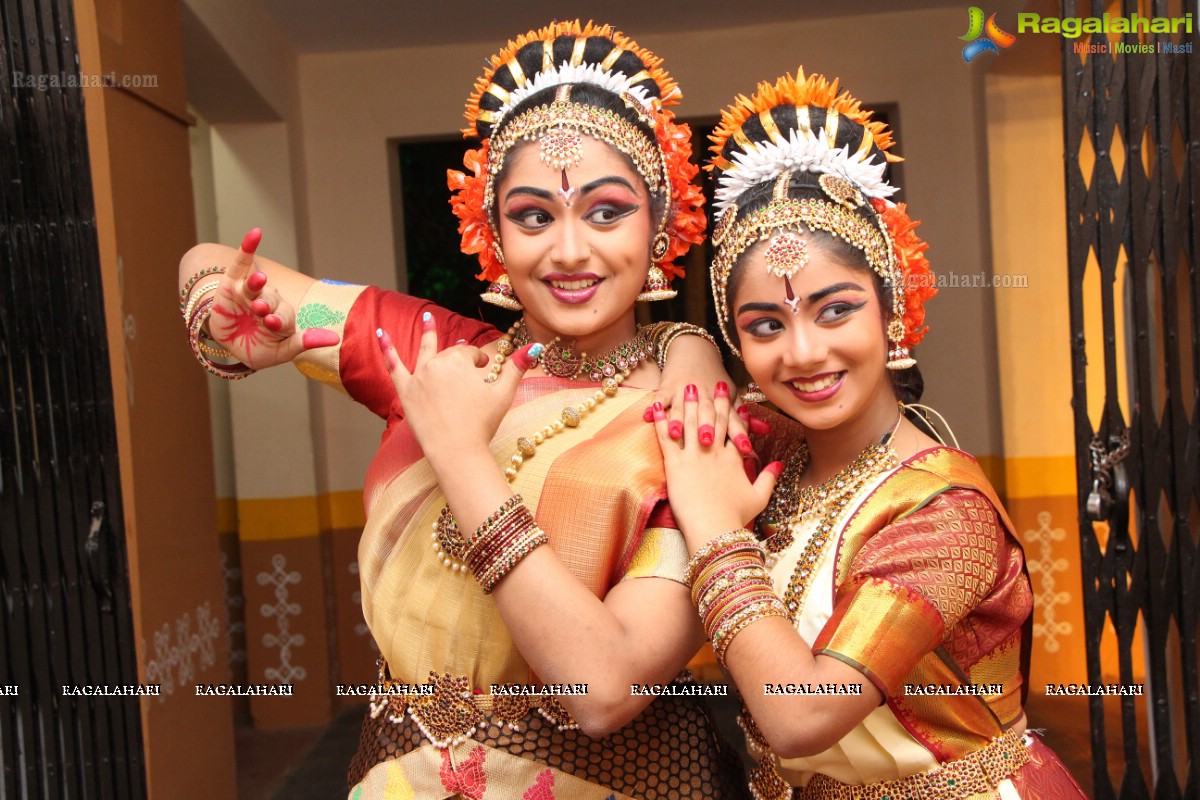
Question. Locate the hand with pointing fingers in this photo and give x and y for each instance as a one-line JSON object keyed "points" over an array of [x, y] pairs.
{"points": [[447, 402], [252, 322]]}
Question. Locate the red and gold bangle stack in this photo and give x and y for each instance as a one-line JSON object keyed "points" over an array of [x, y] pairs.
{"points": [[502, 541], [204, 352], [731, 587]]}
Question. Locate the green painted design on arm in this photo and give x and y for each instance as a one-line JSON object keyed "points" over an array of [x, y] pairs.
{"points": [[318, 315]]}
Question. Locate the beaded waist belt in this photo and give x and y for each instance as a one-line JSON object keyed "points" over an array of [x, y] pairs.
{"points": [[448, 712], [979, 772]]}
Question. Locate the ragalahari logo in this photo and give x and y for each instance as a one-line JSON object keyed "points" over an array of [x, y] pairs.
{"points": [[994, 39]]}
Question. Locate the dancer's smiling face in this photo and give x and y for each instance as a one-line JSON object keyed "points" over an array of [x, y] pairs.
{"points": [[576, 243], [824, 363]]}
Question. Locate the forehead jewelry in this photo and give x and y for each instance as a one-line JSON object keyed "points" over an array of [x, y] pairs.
{"points": [[561, 147], [788, 253], [567, 192]]}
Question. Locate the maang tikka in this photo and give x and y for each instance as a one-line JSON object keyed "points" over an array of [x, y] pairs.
{"points": [[788, 252]]}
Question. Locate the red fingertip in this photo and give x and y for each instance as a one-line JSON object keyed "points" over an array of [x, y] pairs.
{"points": [[743, 412], [775, 468], [522, 359], [659, 414], [742, 443], [722, 389], [251, 240], [319, 337], [675, 429], [706, 434], [273, 323], [260, 308], [690, 394], [658, 406], [648, 414], [256, 281], [758, 426]]}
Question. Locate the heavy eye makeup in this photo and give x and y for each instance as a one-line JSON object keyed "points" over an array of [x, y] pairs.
{"points": [[609, 212], [760, 320], [839, 308], [528, 215]]}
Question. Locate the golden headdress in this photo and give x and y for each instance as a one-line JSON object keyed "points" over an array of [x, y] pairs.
{"points": [[567, 54], [802, 124]]}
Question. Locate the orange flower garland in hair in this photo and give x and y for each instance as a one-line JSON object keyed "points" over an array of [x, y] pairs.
{"points": [[686, 219], [466, 201], [914, 267]]}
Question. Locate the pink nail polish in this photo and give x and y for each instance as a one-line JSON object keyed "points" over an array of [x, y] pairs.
{"points": [[319, 337], [690, 394], [758, 426], [722, 389], [706, 434], [658, 406], [675, 429], [742, 443], [251, 240], [524, 358], [648, 414]]}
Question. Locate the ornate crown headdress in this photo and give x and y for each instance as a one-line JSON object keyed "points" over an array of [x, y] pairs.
{"points": [[803, 125], [564, 54]]}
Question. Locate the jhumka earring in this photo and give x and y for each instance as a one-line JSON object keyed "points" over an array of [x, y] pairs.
{"points": [[500, 293], [898, 355], [656, 287], [753, 394]]}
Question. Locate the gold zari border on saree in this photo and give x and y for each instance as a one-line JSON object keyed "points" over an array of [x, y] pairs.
{"points": [[977, 773]]}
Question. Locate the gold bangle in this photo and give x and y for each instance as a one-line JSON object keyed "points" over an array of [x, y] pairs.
{"points": [[736, 539], [667, 335]]}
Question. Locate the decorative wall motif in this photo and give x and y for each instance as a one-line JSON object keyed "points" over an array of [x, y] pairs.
{"points": [[1046, 598], [177, 661], [282, 610]]}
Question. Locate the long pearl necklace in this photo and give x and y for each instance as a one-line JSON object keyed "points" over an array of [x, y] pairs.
{"points": [[609, 370]]}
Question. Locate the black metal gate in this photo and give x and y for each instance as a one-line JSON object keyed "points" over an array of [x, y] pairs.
{"points": [[1132, 135], [66, 620]]}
